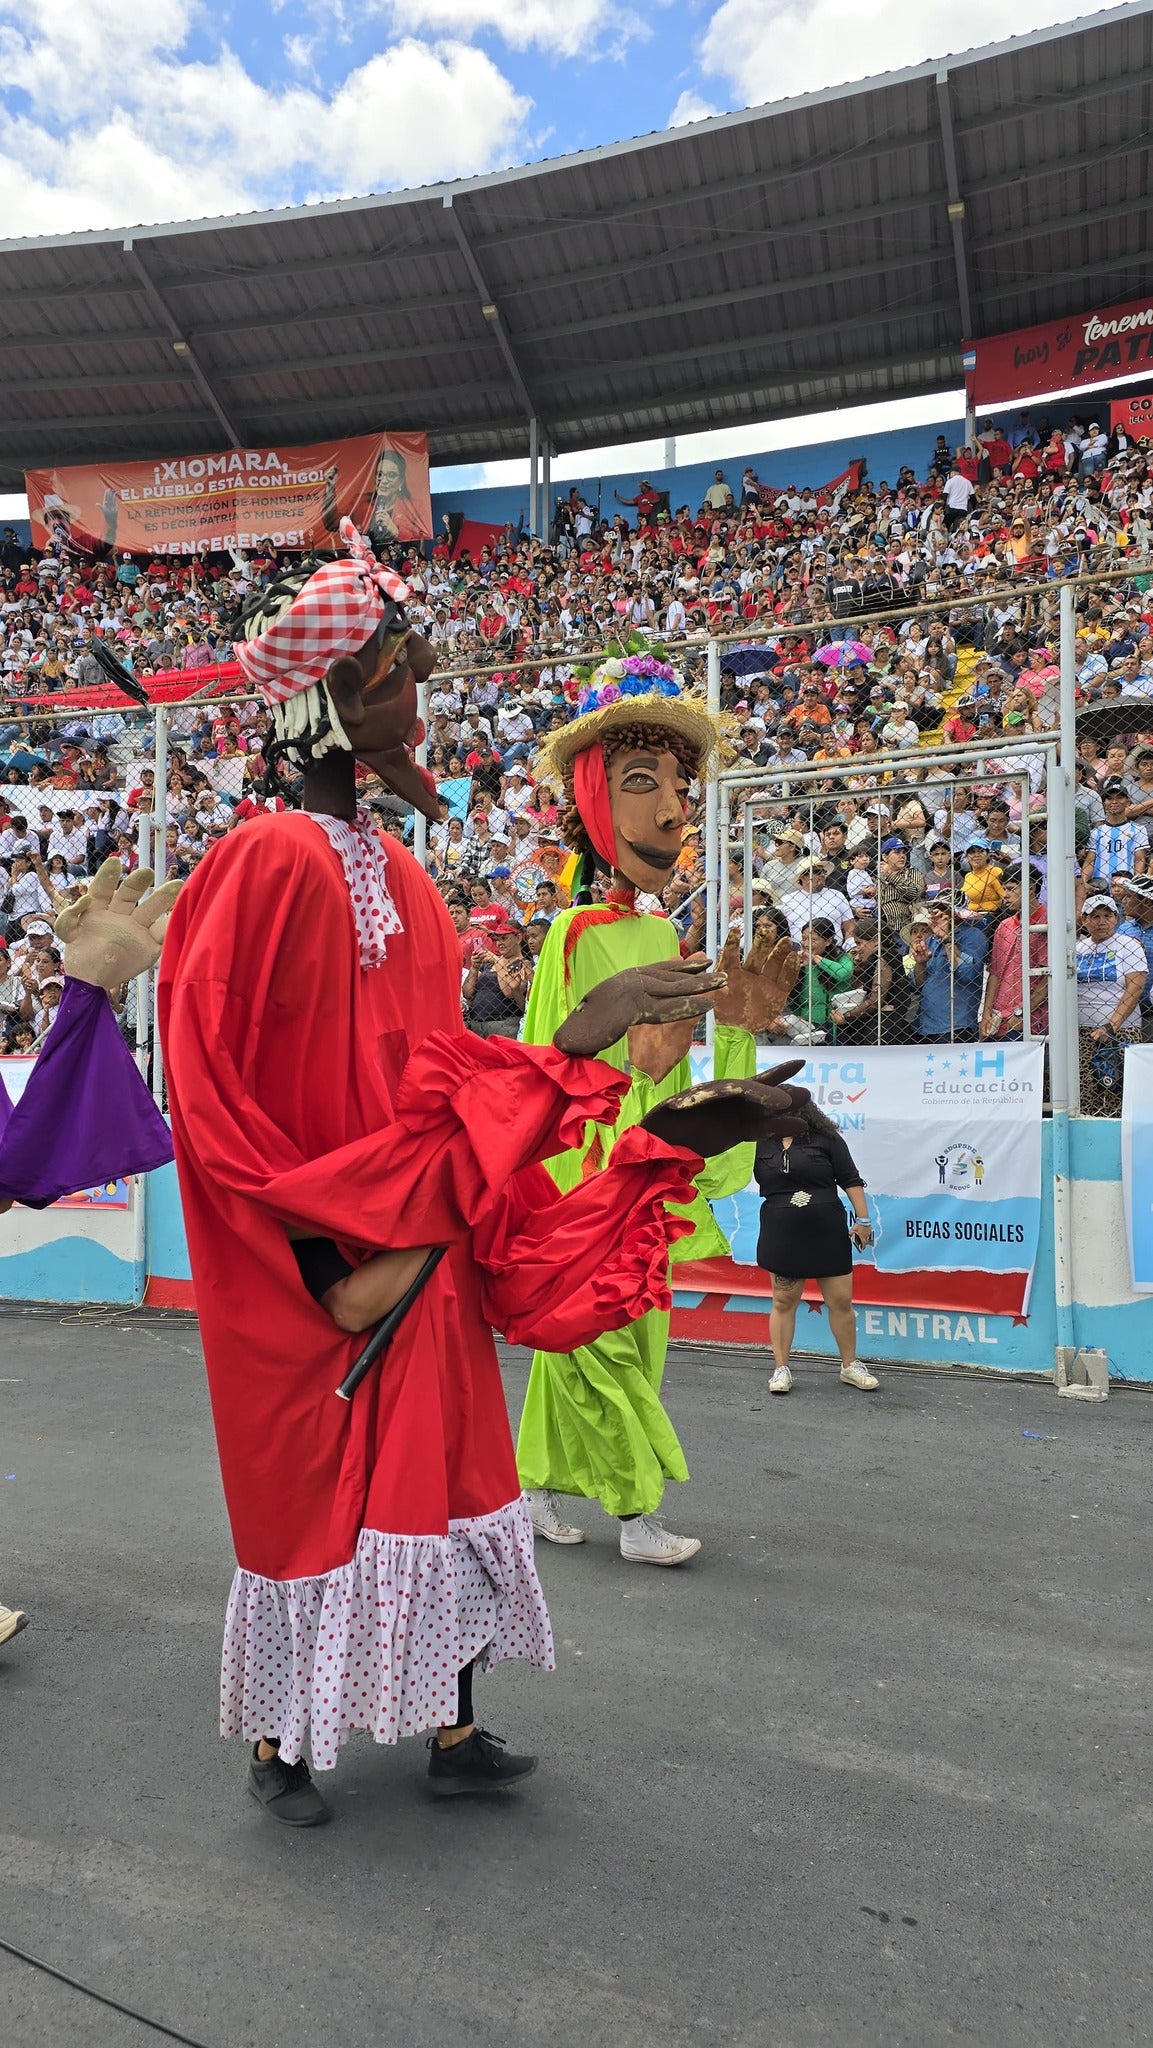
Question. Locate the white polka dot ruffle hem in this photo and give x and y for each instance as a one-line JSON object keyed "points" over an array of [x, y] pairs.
{"points": [[378, 1643]]}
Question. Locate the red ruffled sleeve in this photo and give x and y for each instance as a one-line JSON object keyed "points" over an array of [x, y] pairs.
{"points": [[560, 1270], [470, 1112]]}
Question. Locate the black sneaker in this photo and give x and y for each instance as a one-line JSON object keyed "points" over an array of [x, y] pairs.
{"points": [[478, 1764], [286, 1792]]}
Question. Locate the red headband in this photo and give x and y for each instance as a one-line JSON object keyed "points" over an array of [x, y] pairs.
{"points": [[591, 796]]}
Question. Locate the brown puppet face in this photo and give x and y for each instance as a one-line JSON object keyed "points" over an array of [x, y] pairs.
{"points": [[649, 793]]}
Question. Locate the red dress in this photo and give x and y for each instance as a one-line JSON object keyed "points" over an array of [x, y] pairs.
{"points": [[382, 1543]]}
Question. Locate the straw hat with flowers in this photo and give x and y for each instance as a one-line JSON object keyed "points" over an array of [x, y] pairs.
{"points": [[635, 684]]}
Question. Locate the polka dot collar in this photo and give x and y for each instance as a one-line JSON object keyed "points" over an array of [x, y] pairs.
{"points": [[360, 850]]}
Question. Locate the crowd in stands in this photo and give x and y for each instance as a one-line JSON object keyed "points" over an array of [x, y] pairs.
{"points": [[906, 889]]}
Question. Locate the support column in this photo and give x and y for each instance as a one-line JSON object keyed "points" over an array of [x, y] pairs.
{"points": [[534, 477], [671, 451], [546, 490]]}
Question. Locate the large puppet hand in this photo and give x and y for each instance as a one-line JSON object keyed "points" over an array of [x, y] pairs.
{"points": [[758, 988], [111, 935], [668, 992], [720, 1114]]}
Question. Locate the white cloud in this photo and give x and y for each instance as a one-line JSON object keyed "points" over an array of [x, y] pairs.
{"points": [[298, 52], [773, 49], [691, 107], [151, 137], [575, 29]]}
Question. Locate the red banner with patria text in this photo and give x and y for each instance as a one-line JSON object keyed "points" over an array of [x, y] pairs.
{"points": [[1063, 355]]}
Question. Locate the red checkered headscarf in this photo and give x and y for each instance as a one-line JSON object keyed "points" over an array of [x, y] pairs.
{"points": [[334, 613]]}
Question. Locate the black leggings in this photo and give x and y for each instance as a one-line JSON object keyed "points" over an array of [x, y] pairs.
{"points": [[464, 1712]]}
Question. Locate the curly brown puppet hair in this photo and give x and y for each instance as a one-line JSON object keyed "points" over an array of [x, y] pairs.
{"points": [[626, 739]]}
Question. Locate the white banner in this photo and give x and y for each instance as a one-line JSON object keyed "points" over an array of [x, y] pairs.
{"points": [[1137, 1163], [948, 1141]]}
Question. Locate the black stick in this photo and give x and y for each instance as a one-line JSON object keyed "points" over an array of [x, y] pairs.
{"points": [[387, 1328]]}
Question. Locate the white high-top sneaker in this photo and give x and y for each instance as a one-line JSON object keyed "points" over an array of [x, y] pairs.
{"points": [[544, 1511], [644, 1540]]}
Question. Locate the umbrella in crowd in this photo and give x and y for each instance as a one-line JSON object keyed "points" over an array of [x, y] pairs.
{"points": [[749, 661], [844, 654]]}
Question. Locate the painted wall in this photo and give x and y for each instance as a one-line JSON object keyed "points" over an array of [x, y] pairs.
{"points": [[73, 1254]]}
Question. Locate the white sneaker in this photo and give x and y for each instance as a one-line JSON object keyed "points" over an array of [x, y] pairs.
{"points": [[544, 1513], [12, 1620], [782, 1381], [644, 1540], [857, 1375]]}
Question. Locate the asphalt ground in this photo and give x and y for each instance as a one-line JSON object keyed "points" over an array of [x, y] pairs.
{"points": [[873, 1769]]}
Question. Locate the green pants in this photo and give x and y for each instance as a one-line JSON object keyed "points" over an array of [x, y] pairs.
{"points": [[593, 1423]]}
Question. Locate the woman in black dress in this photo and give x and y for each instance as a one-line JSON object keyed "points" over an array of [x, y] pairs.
{"points": [[804, 1236]]}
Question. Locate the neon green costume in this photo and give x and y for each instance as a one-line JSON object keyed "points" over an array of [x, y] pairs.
{"points": [[593, 1423]]}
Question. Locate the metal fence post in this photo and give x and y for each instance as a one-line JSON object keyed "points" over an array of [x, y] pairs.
{"points": [[747, 880], [713, 850], [419, 821], [1063, 967], [160, 803], [160, 869], [143, 982]]}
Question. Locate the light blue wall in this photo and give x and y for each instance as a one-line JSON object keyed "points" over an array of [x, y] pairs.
{"points": [[167, 1244], [72, 1269], [885, 453]]}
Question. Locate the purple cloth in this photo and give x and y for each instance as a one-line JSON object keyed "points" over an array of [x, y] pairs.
{"points": [[86, 1115], [5, 1106]]}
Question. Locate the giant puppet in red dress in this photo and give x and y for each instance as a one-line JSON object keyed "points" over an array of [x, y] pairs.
{"points": [[322, 1084]]}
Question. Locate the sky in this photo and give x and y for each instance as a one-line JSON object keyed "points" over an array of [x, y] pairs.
{"points": [[136, 111]]}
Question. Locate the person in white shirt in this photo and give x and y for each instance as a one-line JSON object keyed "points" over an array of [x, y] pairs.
{"points": [[809, 898], [958, 494], [514, 726], [1111, 971], [518, 793], [16, 838], [444, 703], [29, 896], [1094, 448], [899, 729], [69, 837]]}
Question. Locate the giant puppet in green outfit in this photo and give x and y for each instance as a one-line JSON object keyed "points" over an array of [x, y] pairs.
{"points": [[593, 1424]]}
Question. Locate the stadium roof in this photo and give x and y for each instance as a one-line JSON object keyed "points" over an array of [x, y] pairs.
{"points": [[814, 253]]}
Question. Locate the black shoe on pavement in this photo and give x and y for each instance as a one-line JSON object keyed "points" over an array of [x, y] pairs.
{"points": [[286, 1792], [478, 1764]]}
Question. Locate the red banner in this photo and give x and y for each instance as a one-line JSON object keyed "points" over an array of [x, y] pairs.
{"points": [[1062, 355], [240, 498], [1134, 416], [166, 687]]}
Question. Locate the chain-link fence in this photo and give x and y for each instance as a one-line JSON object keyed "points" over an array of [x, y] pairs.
{"points": [[1112, 800], [916, 894]]}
